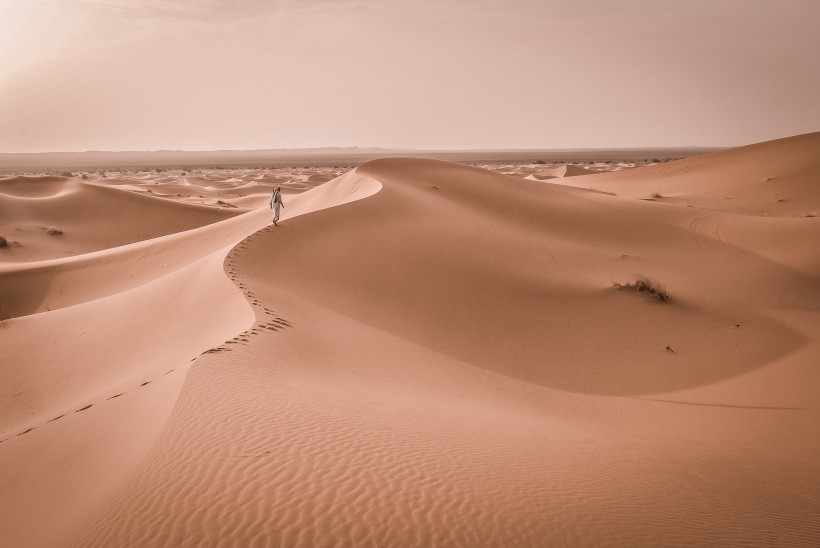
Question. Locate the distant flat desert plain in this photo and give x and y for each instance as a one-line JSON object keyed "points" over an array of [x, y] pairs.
{"points": [[594, 350]]}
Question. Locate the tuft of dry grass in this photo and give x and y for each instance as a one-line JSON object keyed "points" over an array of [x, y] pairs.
{"points": [[54, 231], [644, 284], [3, 242]]}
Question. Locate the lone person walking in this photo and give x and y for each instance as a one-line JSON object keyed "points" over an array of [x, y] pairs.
{"points": [[275, 204]]}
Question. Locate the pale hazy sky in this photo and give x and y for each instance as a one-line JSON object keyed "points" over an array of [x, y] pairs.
{"points": [[243, 74]]}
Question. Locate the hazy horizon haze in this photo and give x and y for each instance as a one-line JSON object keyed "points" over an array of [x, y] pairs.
{"points": [[79, 75]]}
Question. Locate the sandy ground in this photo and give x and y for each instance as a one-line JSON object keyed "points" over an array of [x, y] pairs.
{"points": [[421, 354]]}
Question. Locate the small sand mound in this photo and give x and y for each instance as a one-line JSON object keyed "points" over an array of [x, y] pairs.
{"points": [[32, 187]]}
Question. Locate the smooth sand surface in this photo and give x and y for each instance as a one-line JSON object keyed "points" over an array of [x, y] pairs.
{"points": [[421, 354]]}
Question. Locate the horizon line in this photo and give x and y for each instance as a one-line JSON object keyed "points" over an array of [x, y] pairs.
{"points": [[377, 148]]}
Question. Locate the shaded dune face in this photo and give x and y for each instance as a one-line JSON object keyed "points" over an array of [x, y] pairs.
{"points": [[87, 217], [516, 276], [33, 187]]}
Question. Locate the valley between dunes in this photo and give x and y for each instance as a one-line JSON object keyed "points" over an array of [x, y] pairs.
{"points": [[422, 354]]}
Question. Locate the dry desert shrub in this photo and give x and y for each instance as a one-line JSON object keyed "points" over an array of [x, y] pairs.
{"points": [[3, 242], [644, 284], [54, 231]]}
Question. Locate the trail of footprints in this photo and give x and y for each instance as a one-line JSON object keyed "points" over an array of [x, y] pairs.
{"points": [[274, 323], [85, 407]]}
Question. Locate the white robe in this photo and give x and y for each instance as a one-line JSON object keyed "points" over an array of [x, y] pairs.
{"points": [[275, 203]]}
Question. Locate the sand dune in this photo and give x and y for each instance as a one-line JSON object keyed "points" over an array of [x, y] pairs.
{"points": [[560, 171], [777, 178], [427, 354], [31, 206]]}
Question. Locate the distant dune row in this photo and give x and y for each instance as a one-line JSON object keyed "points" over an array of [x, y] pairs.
{"points": [[330, 156]]}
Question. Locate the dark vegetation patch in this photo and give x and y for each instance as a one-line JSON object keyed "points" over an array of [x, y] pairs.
{"points": [[645, 285]]}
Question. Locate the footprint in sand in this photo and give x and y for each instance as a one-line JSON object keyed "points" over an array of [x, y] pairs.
{"points": [[217, 350], [90, 405]]}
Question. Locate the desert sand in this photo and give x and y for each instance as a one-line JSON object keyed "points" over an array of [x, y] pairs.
{"points": [[422, 354]]}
